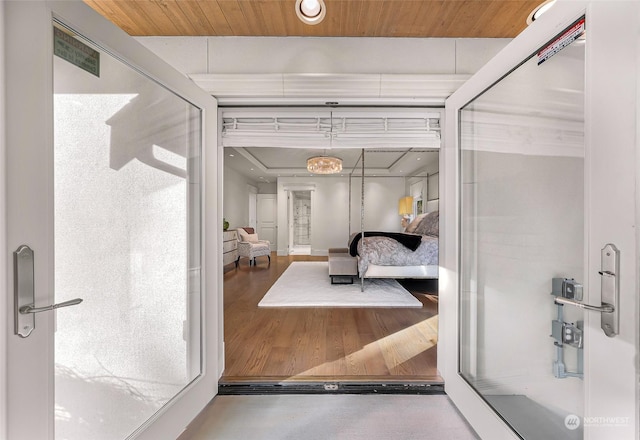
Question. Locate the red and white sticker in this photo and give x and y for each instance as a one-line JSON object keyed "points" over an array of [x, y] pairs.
{"points": [[567, 37]]}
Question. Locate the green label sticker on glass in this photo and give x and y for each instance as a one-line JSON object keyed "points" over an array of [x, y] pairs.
{"points": [[68, 48]]}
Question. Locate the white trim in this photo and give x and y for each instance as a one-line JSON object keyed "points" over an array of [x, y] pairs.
{"points": [[432, 89], [610, 120], [4, 273], [299, 186], [337, 128]]}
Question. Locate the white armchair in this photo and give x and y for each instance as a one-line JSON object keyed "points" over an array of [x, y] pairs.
{"points": [[251, 247]]}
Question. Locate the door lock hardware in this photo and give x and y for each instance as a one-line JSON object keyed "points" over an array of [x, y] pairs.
{"points": [[24, 293], [567, 333], [568, 292], [566, 288]]}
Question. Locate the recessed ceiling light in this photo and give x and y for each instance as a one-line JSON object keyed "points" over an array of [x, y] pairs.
{"points": [[419, 158], [539, 10], [251, 169], [231, 155], [311, 11]]}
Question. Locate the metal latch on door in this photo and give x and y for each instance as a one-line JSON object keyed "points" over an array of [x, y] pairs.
{"points": [[569, 292], [24, 293]]}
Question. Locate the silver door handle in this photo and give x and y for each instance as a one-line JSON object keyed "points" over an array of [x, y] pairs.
{"points": [[31, 309], [604, 308], [609, 291], [24, 308]]}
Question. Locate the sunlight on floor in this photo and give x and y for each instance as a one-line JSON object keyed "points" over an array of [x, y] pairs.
{"points": [[423, 336]]}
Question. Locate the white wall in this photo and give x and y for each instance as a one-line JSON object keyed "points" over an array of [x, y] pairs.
{"points": [[329, 212], [330, 209], [267, 188], [430, 169], [324, 55], [381, 196], [236, 198]]}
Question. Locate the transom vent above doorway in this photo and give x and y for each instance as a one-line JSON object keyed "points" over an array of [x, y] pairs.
{"points": [[331, 129]]}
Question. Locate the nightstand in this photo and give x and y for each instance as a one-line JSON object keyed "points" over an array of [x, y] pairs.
{"points": [[229, 247]]}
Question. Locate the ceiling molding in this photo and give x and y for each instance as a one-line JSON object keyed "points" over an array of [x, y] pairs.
{"points": [[430, 89], [251, 158]]}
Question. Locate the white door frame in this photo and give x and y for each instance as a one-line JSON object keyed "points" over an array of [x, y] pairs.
{"points": [[253, 206], [4, 256], [611, 387], [289, 221], [27, 409]]}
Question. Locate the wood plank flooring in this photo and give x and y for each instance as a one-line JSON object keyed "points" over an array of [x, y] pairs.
{"points": [[320, 344]]}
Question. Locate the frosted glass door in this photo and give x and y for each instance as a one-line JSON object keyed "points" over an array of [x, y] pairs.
{"points": [[127, 241], [301, 218]]}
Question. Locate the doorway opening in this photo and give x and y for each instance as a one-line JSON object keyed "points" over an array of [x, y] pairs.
{"points": [[300, 223], [331, 346]]}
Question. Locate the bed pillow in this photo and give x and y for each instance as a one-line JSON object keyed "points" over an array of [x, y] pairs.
{"points": [[429, 224], [414, 224]]}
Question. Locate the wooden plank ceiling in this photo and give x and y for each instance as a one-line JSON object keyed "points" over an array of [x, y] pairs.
{"points": [[345, 18]]}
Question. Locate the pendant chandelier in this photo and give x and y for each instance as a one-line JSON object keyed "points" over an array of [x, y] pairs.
{"points": [[324, 165]]}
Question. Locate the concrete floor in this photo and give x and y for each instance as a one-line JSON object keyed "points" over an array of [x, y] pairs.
{"points": [[335, 417]]}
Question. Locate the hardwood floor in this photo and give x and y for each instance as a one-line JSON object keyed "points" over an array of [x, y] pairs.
{"points": [[313, 344]]}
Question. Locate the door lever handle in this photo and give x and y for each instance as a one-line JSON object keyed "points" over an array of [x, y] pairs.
{"points": [[31, 309], [604, 308], [24, 308]]}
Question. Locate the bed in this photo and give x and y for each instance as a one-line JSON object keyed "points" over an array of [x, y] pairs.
{"points": [[412, 254]]}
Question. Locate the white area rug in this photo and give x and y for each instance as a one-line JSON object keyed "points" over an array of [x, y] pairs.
{"points": [[307, 284]]}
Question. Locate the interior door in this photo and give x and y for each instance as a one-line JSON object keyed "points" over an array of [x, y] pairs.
{"points": [[541, 186], [267, 217], [106, 174]]}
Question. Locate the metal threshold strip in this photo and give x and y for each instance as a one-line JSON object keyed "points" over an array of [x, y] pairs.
{"points": [[329, 387]]}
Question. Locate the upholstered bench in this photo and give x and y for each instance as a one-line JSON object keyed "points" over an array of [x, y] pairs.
{"points": [[342, 266]]}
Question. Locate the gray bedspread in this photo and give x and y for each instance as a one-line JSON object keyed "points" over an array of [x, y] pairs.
{"points": [[386, 251]]}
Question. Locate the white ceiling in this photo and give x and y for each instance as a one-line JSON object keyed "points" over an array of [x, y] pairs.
{"points": [[266, 164]]}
